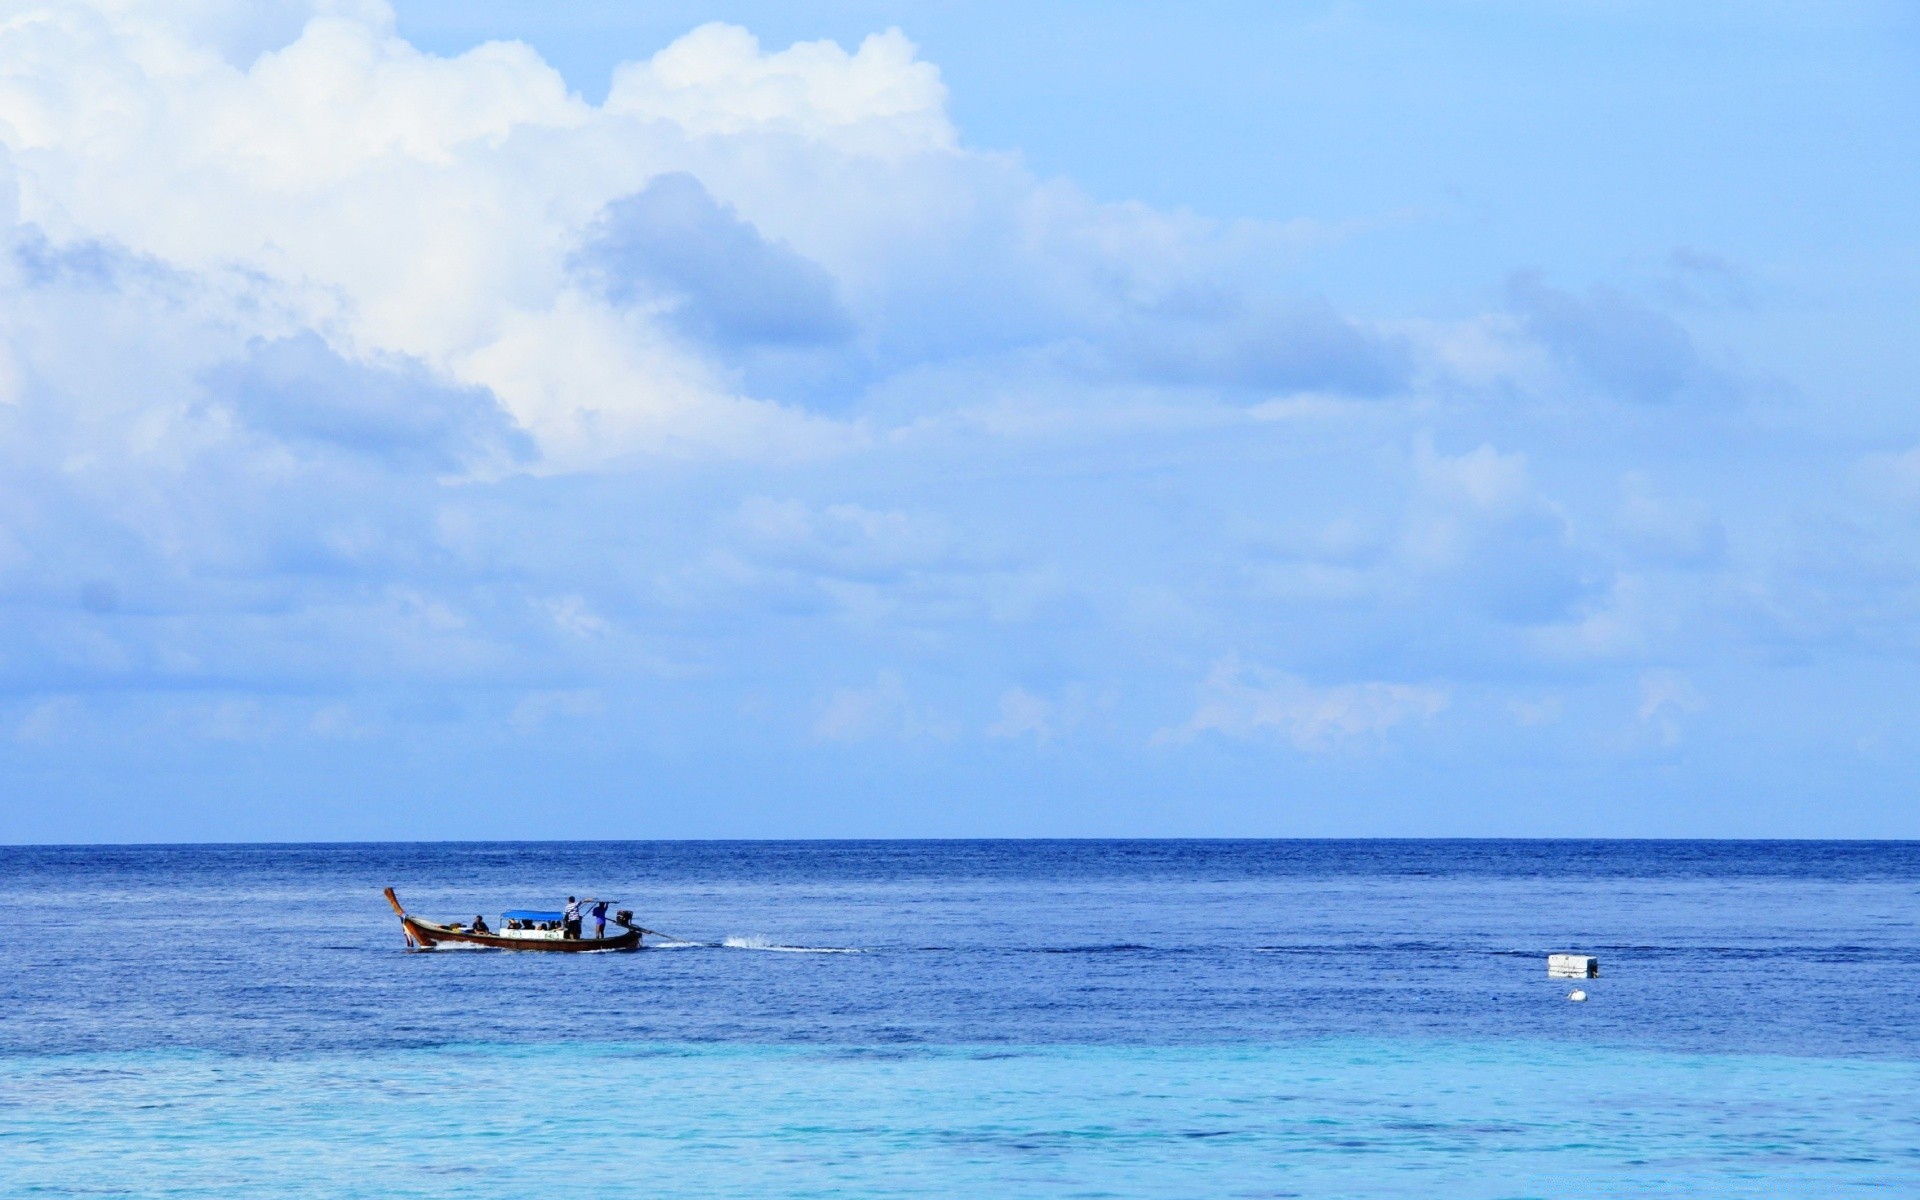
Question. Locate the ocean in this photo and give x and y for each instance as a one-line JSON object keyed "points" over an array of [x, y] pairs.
{"points": [[961, 1018]]}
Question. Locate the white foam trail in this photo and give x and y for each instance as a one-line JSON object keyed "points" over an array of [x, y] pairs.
{"points": [[762, 943]]}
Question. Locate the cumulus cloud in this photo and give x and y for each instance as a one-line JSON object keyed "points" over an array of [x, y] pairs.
{"points": [[1480, 528], [1544, 710], [1613, 341], [671, 243], [1703, 279], [1302, 348], [1242, 700], [279, 324], [1666, 698], [47, 720], [535, 710], [330, 367], [879, 100], [1667, 531], [574, 616], [883, 709], [599, 269], [850, 540], [1443, 562], [1044, 718], [1023, 714], [422, 208], [1842, 581], [302, 393]]}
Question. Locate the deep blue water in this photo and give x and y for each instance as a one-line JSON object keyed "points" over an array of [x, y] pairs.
{"points": [[1362, 1018]]}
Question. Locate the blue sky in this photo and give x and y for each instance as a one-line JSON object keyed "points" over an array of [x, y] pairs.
{"points": [[925, 419]]}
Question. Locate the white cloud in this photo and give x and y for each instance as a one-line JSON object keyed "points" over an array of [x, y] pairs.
{"points": [[1544, 710], [1241, 700], [431, 207], [436, 210], [339, 722], [717, 81], [536, 710], [1022, 714], [1481, 479], [1667, 531], [849, 540], [229, 719], [1478, 528], [49, 719], [1666, 698], [882, 709], [335, 369], [1046, 718], [426, 207], [1614, 342], [574, 616], [853, 714]]}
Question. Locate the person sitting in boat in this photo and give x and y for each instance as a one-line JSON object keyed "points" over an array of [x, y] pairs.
{"points": [[480, 925], [599, 911], [570, 920]]}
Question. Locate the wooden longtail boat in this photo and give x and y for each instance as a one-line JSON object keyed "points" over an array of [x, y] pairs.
{"points": [[539, 933]]}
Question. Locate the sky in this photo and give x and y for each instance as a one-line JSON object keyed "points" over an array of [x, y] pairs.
{"points": [[855, 419]]}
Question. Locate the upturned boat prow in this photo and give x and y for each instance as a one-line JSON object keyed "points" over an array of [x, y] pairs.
{"points": [[520, 930]]}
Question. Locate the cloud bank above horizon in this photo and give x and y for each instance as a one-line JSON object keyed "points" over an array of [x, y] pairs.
{"points": [[748, 453]]}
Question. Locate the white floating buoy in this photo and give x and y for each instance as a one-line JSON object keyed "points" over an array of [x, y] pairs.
{"points": [[1572, 966], [1576, 995]]}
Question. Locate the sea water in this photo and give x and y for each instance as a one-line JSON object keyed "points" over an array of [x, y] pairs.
{"points": [[1320, 1019]]}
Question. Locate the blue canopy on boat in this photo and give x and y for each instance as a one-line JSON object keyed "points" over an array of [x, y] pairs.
{"points": [[526, 914]]}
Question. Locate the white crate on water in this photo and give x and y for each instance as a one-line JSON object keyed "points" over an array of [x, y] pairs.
{"points": [[1572, 966]]}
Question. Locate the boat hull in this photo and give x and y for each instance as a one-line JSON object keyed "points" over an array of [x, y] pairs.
{"points": [[428, 935]]}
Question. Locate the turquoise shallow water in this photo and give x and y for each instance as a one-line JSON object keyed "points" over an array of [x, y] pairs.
{"points": [[1326, 1119], [1138, 1019]]}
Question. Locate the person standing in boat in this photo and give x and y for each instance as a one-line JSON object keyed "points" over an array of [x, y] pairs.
{"points": [[599, 911], [570, 920]]}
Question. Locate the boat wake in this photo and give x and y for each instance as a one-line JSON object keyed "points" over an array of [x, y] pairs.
{"points": [[761, 943]]}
